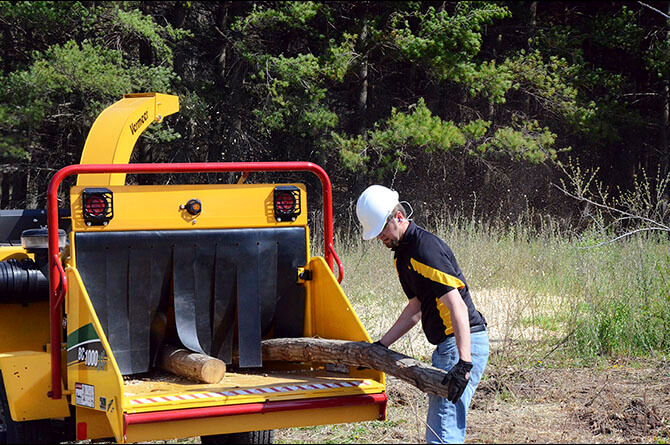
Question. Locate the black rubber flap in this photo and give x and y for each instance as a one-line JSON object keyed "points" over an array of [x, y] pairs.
{"points": [[218, 276]]}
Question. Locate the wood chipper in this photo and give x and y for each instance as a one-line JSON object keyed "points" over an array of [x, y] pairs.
{"points": [[89, 296]]}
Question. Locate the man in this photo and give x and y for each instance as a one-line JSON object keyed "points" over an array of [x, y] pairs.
{"points": [[439, 297]]}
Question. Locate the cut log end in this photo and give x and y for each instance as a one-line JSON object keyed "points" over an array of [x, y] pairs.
{"points": [[192, 365]]}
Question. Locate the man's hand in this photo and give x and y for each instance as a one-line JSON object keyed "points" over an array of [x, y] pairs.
{"points": [[378, 342], [457, 379]]}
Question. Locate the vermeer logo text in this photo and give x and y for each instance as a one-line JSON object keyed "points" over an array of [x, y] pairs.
{"points": [[138, 123]]}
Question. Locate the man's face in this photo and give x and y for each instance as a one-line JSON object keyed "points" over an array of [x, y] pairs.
{"points": [[391, 233]]}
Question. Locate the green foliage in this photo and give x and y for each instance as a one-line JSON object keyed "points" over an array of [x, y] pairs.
{"points": [[550, 84], [446, 45], [530, 142], [291, 90], [341, 83], [42, 15], [395, 139], [89, 71], [287, 14], [135, 24], [620, 31], [340, 58], [66, 85], [392, 140], [294, 95]]}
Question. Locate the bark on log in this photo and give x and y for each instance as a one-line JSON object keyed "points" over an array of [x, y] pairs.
{"points": [[192, 365], [357, 353]]}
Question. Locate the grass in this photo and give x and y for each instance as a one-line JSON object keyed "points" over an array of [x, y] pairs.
{"points": [[551, 301], [533, 284]]}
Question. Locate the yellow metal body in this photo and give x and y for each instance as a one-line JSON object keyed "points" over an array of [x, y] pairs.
{"points": [[107, 396], [27, 379], [13, 253], [250, 422], [224, 206], [24, 327], [328, 315], [115, 132], [104, 379]]}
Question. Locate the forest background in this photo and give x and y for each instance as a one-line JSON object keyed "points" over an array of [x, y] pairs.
{"points": [[461, 106], [490, 118]]}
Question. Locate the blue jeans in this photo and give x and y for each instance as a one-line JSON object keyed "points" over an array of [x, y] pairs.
{"points": [[446, 420]]}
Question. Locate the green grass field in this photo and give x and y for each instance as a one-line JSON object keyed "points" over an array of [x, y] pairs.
{"points": [[535, 284], [550, 298]]}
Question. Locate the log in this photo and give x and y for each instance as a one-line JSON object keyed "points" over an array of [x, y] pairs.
{"points": [[357, 353], [192, 365]]}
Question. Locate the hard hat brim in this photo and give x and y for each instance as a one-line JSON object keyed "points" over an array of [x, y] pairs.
{"points": [[375, 231]]}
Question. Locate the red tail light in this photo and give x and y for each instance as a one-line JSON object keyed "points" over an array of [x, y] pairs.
{"points": [[286, 202], [97, 204]]}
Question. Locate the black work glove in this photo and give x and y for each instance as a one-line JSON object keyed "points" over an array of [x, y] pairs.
{"points": [[378, 342], [457, 379]]}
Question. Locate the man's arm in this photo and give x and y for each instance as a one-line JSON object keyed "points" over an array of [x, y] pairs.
{"points": [[407, 319], [460, 321]]}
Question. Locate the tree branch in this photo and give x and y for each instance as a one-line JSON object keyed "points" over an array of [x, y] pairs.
{"points": [[661, 226], [654, 9]]}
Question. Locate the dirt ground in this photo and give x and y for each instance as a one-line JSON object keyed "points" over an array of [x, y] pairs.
{"points": [[624, 402], [544, 400]]}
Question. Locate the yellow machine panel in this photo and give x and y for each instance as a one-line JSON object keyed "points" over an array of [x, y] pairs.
{"points": [[250, 422], [27, 379], [150, 207], [114, 133], [93, 376], [24, 327], [330, 315], [92, 424], [13, 253]]}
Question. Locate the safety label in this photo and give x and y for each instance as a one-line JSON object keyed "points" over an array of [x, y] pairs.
{"points": [[84, 395]]}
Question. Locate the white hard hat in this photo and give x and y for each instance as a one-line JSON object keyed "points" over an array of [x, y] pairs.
{"points": [[373, 207]]}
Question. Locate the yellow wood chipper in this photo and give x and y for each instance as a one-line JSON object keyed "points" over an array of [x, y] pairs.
{"points": [[90, 293]]}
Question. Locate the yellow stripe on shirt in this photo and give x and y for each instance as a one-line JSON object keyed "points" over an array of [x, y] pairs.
{"points": [[436, 275], [445, 314]]}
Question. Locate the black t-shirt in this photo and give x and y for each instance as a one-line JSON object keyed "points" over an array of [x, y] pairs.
{"points": [[427, 270]]}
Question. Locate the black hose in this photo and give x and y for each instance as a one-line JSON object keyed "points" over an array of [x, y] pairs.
{"points": [[22, 282]]}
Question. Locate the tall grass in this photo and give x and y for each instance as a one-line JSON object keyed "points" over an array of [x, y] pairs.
{"points": [[536, 281]]}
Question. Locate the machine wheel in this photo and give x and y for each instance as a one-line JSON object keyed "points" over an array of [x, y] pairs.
{"points": [[30, 431], [251, 437]]}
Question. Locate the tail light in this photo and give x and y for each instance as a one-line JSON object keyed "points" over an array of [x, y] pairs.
{"points": [[287, 202], [98, 205]]}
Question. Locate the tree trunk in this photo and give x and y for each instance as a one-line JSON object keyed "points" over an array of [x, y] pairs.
{"points": [[145, 49], [531, 42], [665, 114], [192, 365], [357, 353], [177, 20], [362, 99]]}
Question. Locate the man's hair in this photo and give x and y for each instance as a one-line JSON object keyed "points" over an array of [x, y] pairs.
{"points": [[399, 208]]}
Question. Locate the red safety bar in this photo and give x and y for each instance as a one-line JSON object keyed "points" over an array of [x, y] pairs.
{"points": [[57, 281], [256, 408]]}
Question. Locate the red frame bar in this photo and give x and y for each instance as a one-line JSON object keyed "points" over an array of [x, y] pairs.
{"points": [[57, 280], [256, 408]]}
